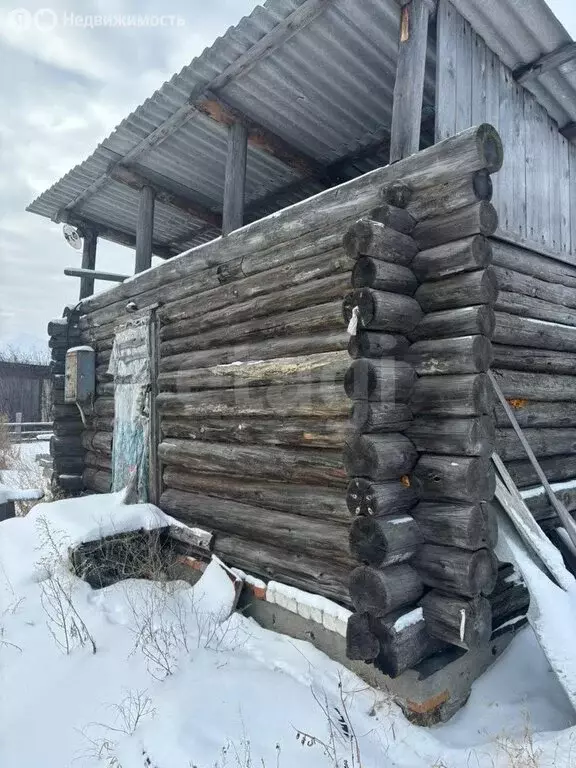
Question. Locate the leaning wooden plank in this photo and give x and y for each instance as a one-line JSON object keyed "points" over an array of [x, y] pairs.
{"points": [[562, 512], [552, 611], [528, 529]]}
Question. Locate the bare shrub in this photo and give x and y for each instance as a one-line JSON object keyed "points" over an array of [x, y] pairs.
{"points": [[64, 622], [128, 714], [341, 746], [168, 623]]}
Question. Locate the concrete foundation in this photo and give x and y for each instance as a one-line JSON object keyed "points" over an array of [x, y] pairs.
{"points": [[429, 694]]}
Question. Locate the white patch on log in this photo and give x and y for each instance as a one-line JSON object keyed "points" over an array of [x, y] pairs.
{"points": [[353, 324], [548, 322], [510, 622], [462, 624], [400, 520], [408, 619], [530, 493]]}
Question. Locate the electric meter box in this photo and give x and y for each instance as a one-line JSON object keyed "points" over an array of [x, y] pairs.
{"points": [[80, 375]]}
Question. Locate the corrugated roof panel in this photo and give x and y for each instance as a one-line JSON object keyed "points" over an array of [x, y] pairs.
{"points": [[325, 88], [519, 33]]}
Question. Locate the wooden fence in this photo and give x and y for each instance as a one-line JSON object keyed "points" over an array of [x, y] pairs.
{"points": [[24, 389]]}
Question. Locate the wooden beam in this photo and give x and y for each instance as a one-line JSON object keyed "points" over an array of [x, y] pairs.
{"points": [[545, 63], [144, 230], [108, 233], [235, 180], [88, 262], [409, 85], [259, 137], [569, 131], [137, 179], [91, 274]]}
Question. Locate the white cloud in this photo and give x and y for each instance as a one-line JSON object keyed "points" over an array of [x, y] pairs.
{"points": [[63, 91]]}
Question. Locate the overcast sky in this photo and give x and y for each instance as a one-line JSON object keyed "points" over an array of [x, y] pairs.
{"points": [[63, 89]]}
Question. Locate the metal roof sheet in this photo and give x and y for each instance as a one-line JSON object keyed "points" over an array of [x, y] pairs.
{"points": [[519, 33], [318, 73]]}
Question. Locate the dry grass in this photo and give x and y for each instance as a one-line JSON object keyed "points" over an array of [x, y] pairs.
{"points": [[6, 447]]}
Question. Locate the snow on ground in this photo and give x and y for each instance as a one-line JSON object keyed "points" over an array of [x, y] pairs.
{"points": [[173, 683], [24, 472]]}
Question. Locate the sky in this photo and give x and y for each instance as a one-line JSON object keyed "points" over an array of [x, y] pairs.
{"points": [[63, 88]]}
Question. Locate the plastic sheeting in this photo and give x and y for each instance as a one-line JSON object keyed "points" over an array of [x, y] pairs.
{"points": [[130, 366]]}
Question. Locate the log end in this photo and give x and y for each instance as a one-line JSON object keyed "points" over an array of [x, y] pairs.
{"points": [[488, 218], [490, 147]]}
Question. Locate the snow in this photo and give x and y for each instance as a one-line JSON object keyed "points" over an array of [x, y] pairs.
{"points": [[236, 695], [15, 494], [530, 493], [408, 619]]}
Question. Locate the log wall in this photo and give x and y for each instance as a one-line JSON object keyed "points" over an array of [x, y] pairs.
{"points": [[323, 399]]}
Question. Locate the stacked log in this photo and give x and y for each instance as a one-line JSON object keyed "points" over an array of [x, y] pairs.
{"points": [[535, 360], [378, 457], [258, 398], [510, 601], [66, 446], [453, 427]]}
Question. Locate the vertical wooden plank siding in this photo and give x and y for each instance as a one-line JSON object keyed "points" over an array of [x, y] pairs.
{"points": [[572, 190], [445, 72], [409, 84], [517, 160], [555, 183], [235, 180], [479, 78], [493, 114], [144, 230], [463, 45], [535, 192], [88, 262], [564, 184], [506, 175]]}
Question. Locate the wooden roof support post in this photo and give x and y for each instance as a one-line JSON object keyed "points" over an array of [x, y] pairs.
{"points": [[235, 179], [88, 262], [144, 230], [409, 85]]}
